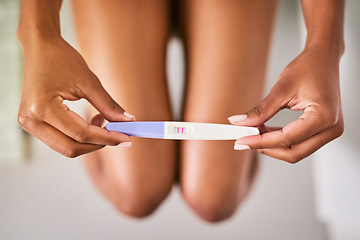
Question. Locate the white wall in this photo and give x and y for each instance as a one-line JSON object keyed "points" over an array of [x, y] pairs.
{"points": [[51, 197], [11, 149]]}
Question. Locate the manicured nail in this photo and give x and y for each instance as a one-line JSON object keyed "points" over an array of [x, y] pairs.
{"points": [[241, 147], [125, 144], [237, 118], [129, 115]]}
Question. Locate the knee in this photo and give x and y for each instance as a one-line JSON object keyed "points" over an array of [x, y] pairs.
{"points": [[139, 204], [211, 208], [136, 207]]}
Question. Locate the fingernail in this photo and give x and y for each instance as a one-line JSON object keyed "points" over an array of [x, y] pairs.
{"points": [[125, 144], [241, 147], [129, 115], [237, 118]]}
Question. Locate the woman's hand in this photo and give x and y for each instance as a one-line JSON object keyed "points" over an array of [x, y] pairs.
{"points": [[54, 72], [309, 83]]}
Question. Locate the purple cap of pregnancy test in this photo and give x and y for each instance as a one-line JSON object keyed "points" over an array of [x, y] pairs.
{"points": [[149, 129]]}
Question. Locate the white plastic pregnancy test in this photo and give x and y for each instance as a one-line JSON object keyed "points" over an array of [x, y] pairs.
{"points": [[182, 130]]}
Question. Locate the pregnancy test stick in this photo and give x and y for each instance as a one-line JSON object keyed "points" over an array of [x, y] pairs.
{"points": [[182, 130]]}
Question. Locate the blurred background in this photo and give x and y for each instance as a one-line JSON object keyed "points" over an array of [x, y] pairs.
{"points": [[46, 196]]}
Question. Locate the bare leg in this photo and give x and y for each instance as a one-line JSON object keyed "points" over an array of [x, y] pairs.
{"points": [[124, 43], [227, 44]]}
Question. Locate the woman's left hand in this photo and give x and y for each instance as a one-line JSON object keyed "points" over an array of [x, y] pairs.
{"points": [[309, 83]]}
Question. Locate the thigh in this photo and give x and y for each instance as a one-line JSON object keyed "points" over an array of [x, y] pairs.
{"points": [[124, 43], [227, 45]]}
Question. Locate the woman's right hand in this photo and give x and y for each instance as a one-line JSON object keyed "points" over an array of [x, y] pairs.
{"points": [[54, 72]]}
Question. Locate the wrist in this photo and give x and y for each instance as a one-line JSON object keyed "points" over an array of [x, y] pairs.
{"points": [[333, 47], [39, 22], [324, 21], [31, 38]]}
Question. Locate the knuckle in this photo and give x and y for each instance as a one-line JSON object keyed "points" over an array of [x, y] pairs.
{"points": [[82, 137], [70, 152], [330, 119], [38, 109], [260, 146], [287, 142], [258, 110], [24, 118], [113, 105], [292, 158], [78, 90], [339, 130], [110, 141]]}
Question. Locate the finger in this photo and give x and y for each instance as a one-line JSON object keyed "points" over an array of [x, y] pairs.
{"points": [[266, 109], [95, 93], [307, 125], [304, 149], [56, 139], [97, 120], [72, 125], [264, 129]]}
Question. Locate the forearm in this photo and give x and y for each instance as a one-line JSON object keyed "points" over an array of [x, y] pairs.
{"points": [[324, 21], [39, 20]]}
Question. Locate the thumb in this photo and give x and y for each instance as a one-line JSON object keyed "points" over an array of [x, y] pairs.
{"points": [[258, 115], [95, 93]]}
